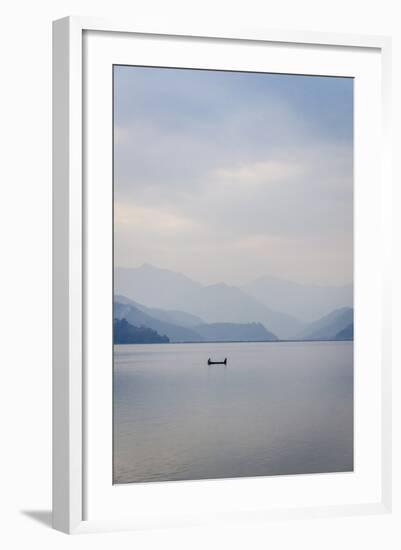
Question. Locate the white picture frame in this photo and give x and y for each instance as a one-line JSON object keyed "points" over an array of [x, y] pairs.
{"points": [[75, 480]]}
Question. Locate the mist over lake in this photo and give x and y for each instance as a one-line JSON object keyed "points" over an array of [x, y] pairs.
{"points": [[277, 408]]}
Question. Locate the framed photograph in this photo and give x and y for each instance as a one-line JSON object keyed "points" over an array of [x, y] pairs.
{"points": [[221, 258]]}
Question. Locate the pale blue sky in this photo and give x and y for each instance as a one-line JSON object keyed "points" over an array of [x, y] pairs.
{"points": [[229, 176]]}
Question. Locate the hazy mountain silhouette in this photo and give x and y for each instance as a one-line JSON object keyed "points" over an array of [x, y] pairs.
{"points": [[138, 315], [235, 332], [161, 288], [139, 318], [154, 287], [181, 318], [329, 326], [307, 302], [347, 333]]}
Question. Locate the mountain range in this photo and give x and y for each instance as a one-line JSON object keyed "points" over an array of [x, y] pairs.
{"points": [[175, 317], [218, 303], [184, 309], [330, 327], [138, 317], [305, 302]]}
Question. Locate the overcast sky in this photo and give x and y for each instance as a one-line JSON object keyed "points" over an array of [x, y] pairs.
{"points": [[228, 176]]}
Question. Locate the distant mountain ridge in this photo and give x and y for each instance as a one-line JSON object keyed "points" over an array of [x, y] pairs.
{"points": [[329, 326], [228, 332], [338, 325], [183, 305], [180, 318], [305, 301], [139, 316], [347, 333], [161, 288]]}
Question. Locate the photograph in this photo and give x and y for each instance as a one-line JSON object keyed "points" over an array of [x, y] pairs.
{"points": [[233, 262]]}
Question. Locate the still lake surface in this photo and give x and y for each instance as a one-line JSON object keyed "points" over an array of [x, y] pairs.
{"points": [[275, 409]]}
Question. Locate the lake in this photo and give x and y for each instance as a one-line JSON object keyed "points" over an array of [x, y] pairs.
{"points": [[277, 408]]}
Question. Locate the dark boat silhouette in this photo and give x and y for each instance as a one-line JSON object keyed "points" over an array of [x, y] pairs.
{"points": [[210, 362]]}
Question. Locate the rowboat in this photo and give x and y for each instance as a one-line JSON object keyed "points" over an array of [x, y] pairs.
{"points": [[210, 362]]}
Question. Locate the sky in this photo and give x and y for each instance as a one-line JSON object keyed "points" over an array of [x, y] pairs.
{"points": [[230, 176]]}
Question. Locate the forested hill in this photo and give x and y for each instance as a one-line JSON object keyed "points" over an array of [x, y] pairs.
{"points": [[125, 333]]}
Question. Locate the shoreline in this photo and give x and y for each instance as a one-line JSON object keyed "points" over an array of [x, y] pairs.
{"points": [[230, 342]]}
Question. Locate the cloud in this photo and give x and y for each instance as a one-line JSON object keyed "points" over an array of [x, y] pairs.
{"points": [[257, 173], [230, 164], [136, 217]]}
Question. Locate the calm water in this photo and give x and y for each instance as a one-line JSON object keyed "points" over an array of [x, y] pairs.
{"points": [[277, 408]]}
